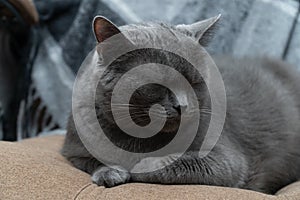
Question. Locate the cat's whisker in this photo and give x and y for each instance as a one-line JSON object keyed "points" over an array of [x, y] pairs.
{"points": [[139, 120], [137, 113], [121, 110], [127, 105]]}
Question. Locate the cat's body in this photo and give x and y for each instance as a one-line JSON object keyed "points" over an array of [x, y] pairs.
{"points": [[263, 119], [257, 150]]}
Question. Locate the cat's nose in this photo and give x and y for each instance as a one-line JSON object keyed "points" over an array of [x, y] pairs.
{"points": [[180, 108], [183, 108]]}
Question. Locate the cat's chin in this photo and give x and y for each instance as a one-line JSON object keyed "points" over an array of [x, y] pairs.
{"points": [[171, 126], [169, 131]]}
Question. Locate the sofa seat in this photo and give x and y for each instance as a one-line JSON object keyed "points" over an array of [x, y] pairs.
{"points": [[34, 169]]}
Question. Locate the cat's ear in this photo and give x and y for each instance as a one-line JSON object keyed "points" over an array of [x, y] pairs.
{"points": [[104, 29], [201, 31]]}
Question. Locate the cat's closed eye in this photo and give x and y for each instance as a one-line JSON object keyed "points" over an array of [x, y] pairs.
{"points": [[152, 92]]}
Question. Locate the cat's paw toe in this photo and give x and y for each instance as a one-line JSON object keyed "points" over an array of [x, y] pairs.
{"points": [[110, 177]]}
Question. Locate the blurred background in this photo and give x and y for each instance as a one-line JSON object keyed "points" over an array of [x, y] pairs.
{"points": [[43, 43]]}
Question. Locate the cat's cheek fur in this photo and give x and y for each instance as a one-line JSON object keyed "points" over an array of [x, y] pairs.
{"points": [[110, 177]]}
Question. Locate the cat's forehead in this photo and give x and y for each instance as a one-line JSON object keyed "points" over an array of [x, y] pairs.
{"points": [[159, 35], [172, 47]]}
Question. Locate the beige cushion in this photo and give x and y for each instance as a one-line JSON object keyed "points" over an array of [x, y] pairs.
{"points": [[34, 169]]}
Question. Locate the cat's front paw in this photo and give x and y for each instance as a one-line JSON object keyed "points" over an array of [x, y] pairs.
{"points": [[110, 177]]}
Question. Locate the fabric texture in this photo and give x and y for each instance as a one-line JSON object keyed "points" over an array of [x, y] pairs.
{"points": [[43, 58], [34, 169]]}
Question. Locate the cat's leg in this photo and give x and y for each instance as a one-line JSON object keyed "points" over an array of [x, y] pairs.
{"points": [[77, 154], [220, 167]]}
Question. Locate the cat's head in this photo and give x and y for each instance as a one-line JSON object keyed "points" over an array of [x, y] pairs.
{"points": [[188, 38]]}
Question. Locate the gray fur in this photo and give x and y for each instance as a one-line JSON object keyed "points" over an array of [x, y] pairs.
{"points": [[110, 177], [259, 145]]}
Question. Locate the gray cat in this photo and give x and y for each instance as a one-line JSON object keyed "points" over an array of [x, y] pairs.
{"points": [[259, 145]]}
